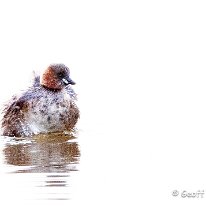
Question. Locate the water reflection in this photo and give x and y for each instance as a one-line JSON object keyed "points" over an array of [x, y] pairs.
{"points": [[44, 153], [49, 159]]}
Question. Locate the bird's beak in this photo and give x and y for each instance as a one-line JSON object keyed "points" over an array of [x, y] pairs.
{"points": [[68, 80]]}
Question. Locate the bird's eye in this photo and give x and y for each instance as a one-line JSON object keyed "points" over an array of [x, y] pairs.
{"points": [[60, 75]]}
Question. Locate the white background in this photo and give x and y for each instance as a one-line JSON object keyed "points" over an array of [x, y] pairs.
{"points": [[140, 72]]}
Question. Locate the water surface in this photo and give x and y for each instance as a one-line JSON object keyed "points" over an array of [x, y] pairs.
{"points": [[39, 168]]}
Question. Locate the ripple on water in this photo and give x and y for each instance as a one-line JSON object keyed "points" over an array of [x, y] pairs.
{"points": [[48, 160]]}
